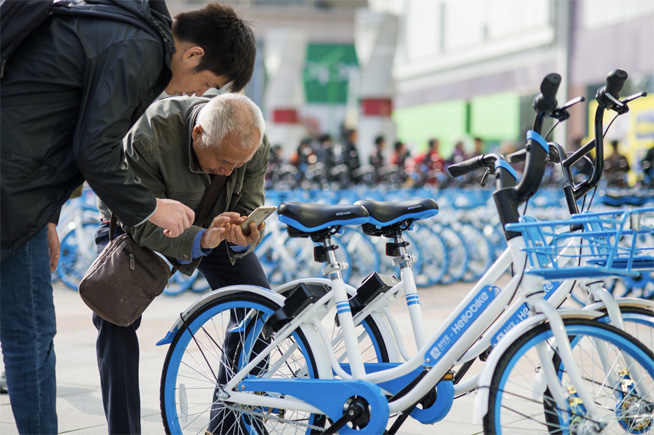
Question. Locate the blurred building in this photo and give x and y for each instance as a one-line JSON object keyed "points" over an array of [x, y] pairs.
{"points": [[306, 65], [452, 69], [467, 68]]}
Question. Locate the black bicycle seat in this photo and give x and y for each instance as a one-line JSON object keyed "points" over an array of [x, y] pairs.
{"points": [[310, 218], [383, 214]]}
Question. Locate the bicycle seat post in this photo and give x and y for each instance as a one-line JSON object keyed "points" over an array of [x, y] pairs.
{"points": [[397, 250], [326, 253]]}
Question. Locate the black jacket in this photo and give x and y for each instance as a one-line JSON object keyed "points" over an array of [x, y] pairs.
{"points": [[71, 91]]}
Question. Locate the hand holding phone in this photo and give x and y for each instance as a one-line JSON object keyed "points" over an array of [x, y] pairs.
{"points": [[257, 216]]}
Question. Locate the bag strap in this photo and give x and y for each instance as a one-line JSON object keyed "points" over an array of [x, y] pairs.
{"points": [[210, 198]]}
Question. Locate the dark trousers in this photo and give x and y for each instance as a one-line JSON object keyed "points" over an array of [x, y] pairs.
{"points": [[117, 347]]}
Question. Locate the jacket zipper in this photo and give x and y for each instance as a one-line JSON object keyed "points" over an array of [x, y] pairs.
{"points": [[133, 258]]}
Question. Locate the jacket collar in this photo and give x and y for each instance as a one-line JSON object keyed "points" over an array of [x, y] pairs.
{"points": [[193, 163]]}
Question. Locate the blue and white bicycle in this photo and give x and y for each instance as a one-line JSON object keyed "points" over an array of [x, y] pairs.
{"points": [[246, 360]]}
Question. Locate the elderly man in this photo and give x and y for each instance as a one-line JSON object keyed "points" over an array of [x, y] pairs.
{"points": [[177, 148]]}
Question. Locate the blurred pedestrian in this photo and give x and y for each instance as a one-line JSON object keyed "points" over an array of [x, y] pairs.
{"points": [[429, 165], [377, 160], [648, 168], [399, 160], [478, 148], [616, 167], [351, 156]]}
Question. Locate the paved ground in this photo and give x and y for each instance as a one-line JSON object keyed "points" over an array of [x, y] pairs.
{"points": [[79, 402]]}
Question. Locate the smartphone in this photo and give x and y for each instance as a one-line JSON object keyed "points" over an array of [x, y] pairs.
{"points": [[257, 216]]}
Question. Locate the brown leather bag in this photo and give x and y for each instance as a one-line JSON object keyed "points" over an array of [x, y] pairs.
{"points": [[123, 281], [126, 277]]}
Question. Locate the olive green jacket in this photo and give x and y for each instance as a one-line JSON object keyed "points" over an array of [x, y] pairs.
{"points": [[159, 152]]}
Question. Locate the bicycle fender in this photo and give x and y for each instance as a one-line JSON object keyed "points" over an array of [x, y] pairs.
{"points": [[626, 302], [486, 375], [207, 298]]}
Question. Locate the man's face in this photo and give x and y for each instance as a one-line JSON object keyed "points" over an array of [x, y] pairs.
{"points": [[223, 159], [186, 81]]}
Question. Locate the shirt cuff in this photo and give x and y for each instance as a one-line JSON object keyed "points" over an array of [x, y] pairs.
{"points": [[238, 248], [197, 250]]}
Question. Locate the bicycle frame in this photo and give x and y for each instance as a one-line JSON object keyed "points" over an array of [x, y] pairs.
{"points": [[455, 341]]}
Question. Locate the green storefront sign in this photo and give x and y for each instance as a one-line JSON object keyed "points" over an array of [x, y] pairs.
{"points": [[327, 72]]}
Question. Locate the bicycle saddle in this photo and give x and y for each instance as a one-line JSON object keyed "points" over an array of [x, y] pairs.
{"points": [[310, 218], [383, 214]]}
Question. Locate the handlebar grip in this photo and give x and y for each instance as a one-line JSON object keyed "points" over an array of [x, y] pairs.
{"points": [[614, 82], [545, 102], [466, 166], [518, 156]]}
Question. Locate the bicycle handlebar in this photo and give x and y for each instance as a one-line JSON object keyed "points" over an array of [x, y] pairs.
{"points": [[517, 157], [471, 165], [507, 200], [608, 95], [545, 102], [607, 98]]}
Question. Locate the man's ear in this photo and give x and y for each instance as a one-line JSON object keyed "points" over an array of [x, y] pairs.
{"points": [[194, 55], [197, 131]]}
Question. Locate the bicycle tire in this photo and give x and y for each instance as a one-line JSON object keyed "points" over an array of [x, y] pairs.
{"points": [[76, 258], [516, 406], [363, 256], [639, 323], [194, 367], [179, 283], [372, 350], [480, 251], [434, 254], [458, 253]]}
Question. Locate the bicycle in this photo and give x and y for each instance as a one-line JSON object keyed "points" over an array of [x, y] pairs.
{"points": [[256, 394]]}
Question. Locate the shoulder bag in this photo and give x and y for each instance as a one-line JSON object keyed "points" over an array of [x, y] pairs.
{"points": [[126, 277]]}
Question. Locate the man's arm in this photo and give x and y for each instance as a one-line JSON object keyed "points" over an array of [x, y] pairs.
{"points": [[147, 234], [114, 88]]}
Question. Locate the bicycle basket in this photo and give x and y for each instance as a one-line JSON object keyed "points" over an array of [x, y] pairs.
{"points": [[601, 244]]}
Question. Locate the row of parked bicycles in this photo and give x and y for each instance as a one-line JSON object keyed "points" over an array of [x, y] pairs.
{"points": [[324, 354], [318, 355], [459, 244]]}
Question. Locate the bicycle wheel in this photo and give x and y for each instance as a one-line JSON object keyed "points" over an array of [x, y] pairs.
{"points": [[270, 255], [216, 342], [434, 256], [371, 336], [458, 253], [179, 283], [372, 343], [519, 402], [364, 258], [479, 249], [77, 253], [638, 322]]}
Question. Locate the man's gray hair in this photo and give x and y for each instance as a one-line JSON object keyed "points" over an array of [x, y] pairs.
{"points": [[231, 113]]}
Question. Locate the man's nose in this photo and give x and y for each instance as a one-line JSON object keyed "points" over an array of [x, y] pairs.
{"points": [[226, 170]]}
